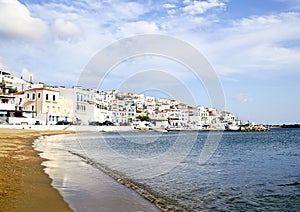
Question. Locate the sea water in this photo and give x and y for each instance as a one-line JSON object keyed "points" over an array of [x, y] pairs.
{"points": [[247, 171]]}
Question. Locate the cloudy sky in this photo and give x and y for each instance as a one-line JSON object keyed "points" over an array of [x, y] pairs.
{"points": [[253, 46]]}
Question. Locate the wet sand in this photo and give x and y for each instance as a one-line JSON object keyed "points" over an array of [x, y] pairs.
{"points": [[23, 184]]}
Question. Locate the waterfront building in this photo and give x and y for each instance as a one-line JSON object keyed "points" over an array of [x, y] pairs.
{"points": [[159, 119], [119, 117], [44, 104], [85, 105], [184, 118], [7, 105], [227, 117], [174, 117]]}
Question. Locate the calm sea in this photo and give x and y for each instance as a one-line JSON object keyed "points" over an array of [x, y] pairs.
{"points": [[248, 171]]}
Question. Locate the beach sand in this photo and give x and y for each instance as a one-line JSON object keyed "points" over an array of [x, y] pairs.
{"points": [[23, 184]]}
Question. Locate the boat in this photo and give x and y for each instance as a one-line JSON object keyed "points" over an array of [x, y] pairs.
{"points": [[174, 129], [142, 125], [233, 127]]}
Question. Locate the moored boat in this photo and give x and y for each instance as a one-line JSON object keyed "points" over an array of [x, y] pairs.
{"points": [[233, 127]]}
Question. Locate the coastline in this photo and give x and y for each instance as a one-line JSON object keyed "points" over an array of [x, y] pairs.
{"points": [[162, 203], [24, 186]]}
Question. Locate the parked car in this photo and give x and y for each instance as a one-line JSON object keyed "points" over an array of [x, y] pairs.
{"points": [[62, 123], [95, 123], [108, 123]]}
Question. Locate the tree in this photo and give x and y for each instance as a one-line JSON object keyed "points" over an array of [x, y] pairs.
{"points": [[143, 118], [14, 90]]}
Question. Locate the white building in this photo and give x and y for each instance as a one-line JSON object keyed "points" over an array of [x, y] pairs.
{"points": [[149, 104], [85, 105], [44, 104], [7, 104], [13, 82]]}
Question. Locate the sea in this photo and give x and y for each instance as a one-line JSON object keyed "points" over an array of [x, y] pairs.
{"points": [[242, 171]]}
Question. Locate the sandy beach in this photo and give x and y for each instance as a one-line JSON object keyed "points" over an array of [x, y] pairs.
{"points": [[23, 184]]}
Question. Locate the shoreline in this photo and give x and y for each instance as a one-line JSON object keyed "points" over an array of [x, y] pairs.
{"points": [[144, 191], [24, 186]]}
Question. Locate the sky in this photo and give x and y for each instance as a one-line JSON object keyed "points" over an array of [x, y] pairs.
{"points": [[252, 45]]}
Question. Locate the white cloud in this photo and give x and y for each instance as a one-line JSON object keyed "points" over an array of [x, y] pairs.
{"points": [[17, 22], [269, 28], [66, 29], [169, 6], [137, 28], [241, 46], [200, 7], [126, 10], [259, 43]]}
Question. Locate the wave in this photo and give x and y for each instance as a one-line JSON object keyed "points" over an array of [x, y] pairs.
{"points": [[145, 191]]}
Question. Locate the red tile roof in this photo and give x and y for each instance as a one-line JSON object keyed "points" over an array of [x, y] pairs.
{"points": [[18, 93], [40, 89]]}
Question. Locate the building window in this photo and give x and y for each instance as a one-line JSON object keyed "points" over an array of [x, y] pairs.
{"points": [[27, 96], [5, 101], [47, 96], [39, 95], [32, 108], [33, 96], [53, 97]]}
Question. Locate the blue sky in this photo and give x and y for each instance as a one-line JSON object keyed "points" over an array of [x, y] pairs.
{"points": [[253, 45]]}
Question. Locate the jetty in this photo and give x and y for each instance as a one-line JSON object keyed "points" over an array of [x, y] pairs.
{"points": [[255, 128]]}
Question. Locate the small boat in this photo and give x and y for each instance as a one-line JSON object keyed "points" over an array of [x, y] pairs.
{"points": [[174, 129], [233, 127], [142, 125]]}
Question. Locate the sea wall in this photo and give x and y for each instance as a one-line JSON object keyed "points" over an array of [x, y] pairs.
{"points": [[80, 128]]}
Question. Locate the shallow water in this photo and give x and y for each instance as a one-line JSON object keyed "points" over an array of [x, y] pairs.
{"points": [[248, 171], [84, 187]]}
